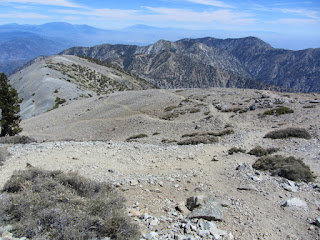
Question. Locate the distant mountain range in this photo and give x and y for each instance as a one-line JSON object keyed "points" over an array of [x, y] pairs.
{"points": [[203, 62], [21, 43], [209, 62]]}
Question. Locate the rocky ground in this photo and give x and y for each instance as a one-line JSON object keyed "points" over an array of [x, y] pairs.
{"points": [[186, 191]]}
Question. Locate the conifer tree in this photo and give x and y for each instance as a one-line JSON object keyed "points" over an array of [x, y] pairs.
{"points": [[10, 108]]}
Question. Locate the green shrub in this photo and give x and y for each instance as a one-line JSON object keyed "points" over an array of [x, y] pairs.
{"points": [[16, 140], [235, 150], [278, 111], [260, 151], [291, 168], [288, 133], [52, 205], [136, 137]]}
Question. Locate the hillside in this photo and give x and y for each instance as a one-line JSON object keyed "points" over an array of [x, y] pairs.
{"points": [[47, 82], [209, 62], [136, 140]]}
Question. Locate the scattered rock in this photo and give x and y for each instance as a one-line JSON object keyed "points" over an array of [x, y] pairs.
{"points": [[134, 182], [295, 203], [248, 187], [151, 235], [290, 186], [210, 210], [194, 202]]}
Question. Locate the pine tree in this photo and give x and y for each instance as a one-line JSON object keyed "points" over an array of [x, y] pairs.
{"points": [[10, 108]]}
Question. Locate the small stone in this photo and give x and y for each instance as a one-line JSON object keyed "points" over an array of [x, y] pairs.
{"points": [[145, 216], [217, 233], [154, 222], [204, 233], [194, 202], [182, 208], [151, 235], [210, 210], [4, 229], [7, 236], [134, 182], [248, 187], [111, 170], [317, 222], [295, 203], [290, 186]]}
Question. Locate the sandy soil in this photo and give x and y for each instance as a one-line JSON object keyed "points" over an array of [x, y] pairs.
{"points": [[159, 174]]}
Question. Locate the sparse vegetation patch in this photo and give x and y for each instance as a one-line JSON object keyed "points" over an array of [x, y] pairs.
{"points": [[16, 140], [278, 111], [53, 205], [198, 140], [236, 150], [288, 167], [260, 151], [136, 137], [289, 133]]}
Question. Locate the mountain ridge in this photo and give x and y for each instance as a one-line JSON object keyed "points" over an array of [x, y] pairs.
{"points": [[249, 59]]}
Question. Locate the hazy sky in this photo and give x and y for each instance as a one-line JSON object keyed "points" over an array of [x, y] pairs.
{"points": [[293, 17]]}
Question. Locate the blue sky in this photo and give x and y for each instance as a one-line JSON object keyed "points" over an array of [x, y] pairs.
{"points": [[296, 18]]}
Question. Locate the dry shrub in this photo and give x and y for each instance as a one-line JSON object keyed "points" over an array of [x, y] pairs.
{"points": [[136, 137], [198, 140], [288, 133], [53, 205], [291, 168], [224, 132], [235, 150], [279, 111], [260, 151], [17, 140]]}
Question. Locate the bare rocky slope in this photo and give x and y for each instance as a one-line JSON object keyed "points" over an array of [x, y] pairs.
{"points": [[139, 150], [209, 62], [48, 82]]}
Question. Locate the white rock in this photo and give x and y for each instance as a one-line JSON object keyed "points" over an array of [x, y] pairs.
{"points": [[295, 203]]}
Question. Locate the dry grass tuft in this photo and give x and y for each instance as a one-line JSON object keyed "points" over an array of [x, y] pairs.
{"points": [[43, 204], [291, 168], [289, 133], [16, 140], [260, 151]]}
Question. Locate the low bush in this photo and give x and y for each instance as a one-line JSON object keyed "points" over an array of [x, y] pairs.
{"points": [[288, 133], [53, 205], [236, 110], [288, 167], [260, 151], [278, 111], [198, 140], [170, 108], [224, 132], [235, 150], [16, 140], [136, 137]]}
